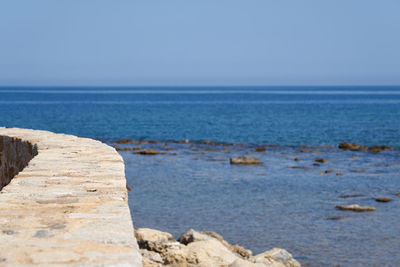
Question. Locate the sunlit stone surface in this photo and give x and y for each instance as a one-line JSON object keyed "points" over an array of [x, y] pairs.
{"points": [[68, 206]]}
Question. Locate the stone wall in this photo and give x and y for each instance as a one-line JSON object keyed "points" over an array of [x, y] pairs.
{"points": [[14, 156], [68, 205]]}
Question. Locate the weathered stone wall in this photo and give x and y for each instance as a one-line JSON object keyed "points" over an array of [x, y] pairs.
{"points": [[14, 156], [68, 206]]}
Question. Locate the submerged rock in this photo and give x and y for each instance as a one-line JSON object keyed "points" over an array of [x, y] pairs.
{"points": [[140, 142], [355, 207], [147, 152], [351, 146], [207, 142], [244, 160], [186, 141], [125, 141], [376, 149], [304, 150], [259, 149], [335, 218], [301, 167], [351, 196], [122, 148], [358, 171], [382, 199], [320, 160]]}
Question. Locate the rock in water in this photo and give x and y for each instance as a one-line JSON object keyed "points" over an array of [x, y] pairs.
{"points": [[376, 149], [351, 146], [355, 207], [244, 160], [147, 152], [335, 218], [304, 150], [140, 142], [320, 160], [382, 199], [125, 141]]}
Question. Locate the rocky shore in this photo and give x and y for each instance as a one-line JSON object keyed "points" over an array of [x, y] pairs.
{"points": [[203, 249], [354, 186]]}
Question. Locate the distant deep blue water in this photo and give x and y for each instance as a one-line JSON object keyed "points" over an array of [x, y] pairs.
{"points": [[277, 115], [283, 203]]}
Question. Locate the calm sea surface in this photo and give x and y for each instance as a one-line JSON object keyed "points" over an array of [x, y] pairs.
{"points": [[282, 203]]}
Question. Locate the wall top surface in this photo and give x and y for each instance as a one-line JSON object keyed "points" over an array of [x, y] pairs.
{"points": [[68, 206]]}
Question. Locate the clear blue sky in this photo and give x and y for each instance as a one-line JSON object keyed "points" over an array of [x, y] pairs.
{"points": [[199, 42]]}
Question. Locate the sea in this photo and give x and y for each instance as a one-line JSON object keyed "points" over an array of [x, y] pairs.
{"points": [[288, 201]]}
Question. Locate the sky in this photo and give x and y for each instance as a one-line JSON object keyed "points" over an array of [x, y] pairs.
{"points": [[199, 42]]}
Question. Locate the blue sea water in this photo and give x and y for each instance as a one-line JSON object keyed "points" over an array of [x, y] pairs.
{"points": [[286, 116], [282, 203]]}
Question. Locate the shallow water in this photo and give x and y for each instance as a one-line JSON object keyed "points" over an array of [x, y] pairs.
{"points": [[275, 204], [259, 207]]}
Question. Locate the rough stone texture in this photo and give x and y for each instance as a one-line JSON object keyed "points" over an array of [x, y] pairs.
{"points": [[195, 236], [276, 257], [204, 249], [151, 235], [14, 156], [68, 206]]}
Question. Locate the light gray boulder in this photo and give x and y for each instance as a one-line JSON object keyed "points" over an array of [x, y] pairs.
{"points": [[195, 236], [203, 249], [147, 234], [276, 257]]}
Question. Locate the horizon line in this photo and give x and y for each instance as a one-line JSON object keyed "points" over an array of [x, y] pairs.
{"points": [[198, 86]]}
